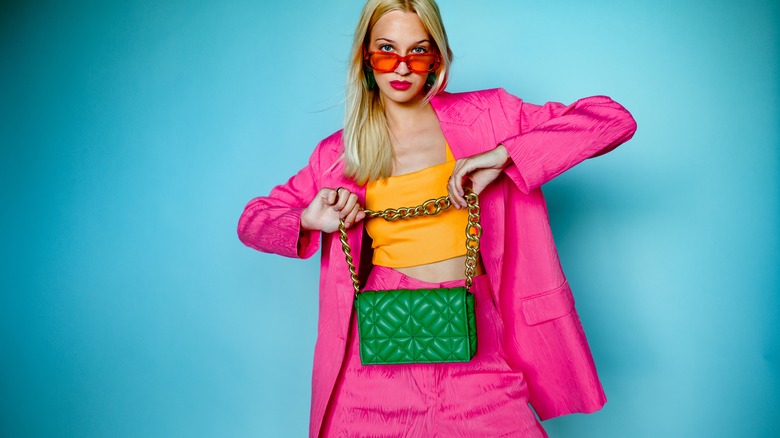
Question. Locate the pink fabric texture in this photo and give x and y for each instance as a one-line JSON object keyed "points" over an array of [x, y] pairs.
{"points": [[543, 336], [484, 397]]}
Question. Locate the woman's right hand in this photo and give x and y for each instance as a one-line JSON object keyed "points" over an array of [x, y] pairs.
{"points": [[330, 205]]}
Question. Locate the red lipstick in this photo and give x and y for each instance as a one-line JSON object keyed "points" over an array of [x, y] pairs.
{"points": [[400, 85]]}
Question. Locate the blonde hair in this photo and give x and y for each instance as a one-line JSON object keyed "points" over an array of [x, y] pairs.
{"points": [[368, 147]]}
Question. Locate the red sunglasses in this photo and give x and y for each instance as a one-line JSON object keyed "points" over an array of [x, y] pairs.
{"points": [[385, 62]]}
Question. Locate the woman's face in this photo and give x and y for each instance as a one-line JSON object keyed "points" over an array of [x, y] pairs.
{"points": [[401, 33]]}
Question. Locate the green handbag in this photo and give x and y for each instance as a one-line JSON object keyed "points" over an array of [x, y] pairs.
{"points": [[418, 325]]}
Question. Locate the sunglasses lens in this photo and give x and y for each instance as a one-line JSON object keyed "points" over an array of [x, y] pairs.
{"points": [[384, 62], [418, 63], [423, 63]]}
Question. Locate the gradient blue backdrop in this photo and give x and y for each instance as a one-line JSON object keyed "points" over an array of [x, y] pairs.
{"points": [[134, 132]]}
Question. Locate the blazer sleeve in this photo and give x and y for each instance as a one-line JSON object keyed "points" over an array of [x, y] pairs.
{"points": [[272, 223], [547, 140]]}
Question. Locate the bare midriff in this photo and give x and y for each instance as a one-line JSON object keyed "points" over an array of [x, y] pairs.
{"points": [[439, 272]]}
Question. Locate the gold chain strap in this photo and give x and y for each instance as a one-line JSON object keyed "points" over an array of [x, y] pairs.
{"points": [[428, 208]]}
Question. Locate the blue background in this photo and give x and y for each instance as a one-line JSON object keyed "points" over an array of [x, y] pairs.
{"points": [[134, 132]]}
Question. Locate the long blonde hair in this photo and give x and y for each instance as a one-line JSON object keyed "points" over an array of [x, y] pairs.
{"points": [[368, 147]]}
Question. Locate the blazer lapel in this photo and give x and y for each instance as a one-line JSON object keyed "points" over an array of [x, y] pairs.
{"points": [[469, 131]]}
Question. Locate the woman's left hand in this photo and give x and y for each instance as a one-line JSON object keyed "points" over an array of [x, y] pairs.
{"points": [[481, 169]]}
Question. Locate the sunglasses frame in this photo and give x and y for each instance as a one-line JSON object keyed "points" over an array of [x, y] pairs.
{"points": [[399, 59]]}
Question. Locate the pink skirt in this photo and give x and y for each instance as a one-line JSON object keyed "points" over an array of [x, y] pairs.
{"points": [[484, 397]]}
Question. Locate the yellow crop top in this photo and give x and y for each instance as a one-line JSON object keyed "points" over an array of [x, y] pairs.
{"points": [[421, 240]]}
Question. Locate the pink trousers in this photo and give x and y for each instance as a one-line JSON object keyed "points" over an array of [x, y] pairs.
{"points": [[480, 398]]}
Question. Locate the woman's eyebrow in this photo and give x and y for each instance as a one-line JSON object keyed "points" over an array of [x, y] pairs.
{"points": [[393, 42]]}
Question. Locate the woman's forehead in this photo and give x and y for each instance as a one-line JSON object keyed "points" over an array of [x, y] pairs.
{"points": [[400, 27]]}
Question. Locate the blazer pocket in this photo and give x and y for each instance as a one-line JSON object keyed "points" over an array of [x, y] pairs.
{"points": [[548, 305]]}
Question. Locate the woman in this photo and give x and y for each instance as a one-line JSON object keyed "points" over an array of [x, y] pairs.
{"points": [[406, 140]]}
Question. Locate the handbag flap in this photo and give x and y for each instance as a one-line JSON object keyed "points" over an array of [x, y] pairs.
{"points": [[416, 326]]}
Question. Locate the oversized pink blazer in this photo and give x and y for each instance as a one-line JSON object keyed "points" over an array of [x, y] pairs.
{"points": [[543, 333]]}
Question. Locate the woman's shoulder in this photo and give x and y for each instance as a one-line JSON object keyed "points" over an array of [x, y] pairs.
{"points": [[465, 107], [330, 147], [492, 98], [333, 142], [476, 97], [328, 154]]}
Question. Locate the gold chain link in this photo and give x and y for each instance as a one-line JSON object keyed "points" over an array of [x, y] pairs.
{"points": [[348, 253], [473, 233], [430, 207]]}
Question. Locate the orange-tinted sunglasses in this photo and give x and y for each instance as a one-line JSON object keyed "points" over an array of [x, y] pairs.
{"points": [[385, 62]]}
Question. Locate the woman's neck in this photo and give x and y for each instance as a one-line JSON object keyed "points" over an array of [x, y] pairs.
{"points": [[417, 139], [408, 117]]}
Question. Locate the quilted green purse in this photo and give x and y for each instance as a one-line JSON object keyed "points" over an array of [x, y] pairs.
{"points": [[418, 325]]}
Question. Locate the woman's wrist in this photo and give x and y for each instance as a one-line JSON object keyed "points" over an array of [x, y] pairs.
{"points": [[305, 223], [507, 159]]}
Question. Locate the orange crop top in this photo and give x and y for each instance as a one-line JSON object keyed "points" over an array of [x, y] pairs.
{"points": [[421, 240]]}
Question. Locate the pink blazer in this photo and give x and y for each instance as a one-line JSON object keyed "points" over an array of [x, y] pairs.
{"points": [[544, 335]]}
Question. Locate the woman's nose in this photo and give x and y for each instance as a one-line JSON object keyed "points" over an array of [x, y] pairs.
{"points": [[402, 69]]}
